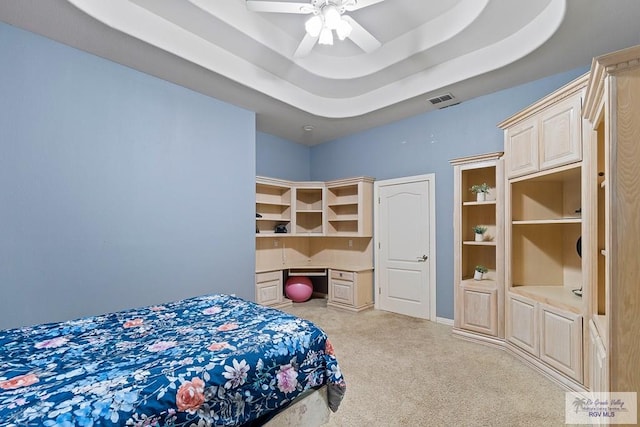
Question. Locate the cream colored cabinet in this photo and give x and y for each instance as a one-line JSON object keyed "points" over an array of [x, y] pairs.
{"points": [[599, 381], [479, 301], [348, 207], [546, 135], [522, 324], [548, 333], [479, 311], [561, 340], [544, 225], [269, 289], [350, 290], [612, 243], [308, 209], [273, 205]]}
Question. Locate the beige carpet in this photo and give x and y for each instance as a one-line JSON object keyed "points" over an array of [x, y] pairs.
{"points": [[402, 371]]}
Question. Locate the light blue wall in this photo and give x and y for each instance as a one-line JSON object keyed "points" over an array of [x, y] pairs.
{"points": [[117, 189], [280, 158], [425, 144]]}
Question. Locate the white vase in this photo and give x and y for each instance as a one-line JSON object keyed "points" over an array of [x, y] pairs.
{"points": [[479, 237], [481, 197], [477, 275]]}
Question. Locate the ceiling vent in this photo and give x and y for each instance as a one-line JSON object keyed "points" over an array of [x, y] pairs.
{"points": [[441, 98]]}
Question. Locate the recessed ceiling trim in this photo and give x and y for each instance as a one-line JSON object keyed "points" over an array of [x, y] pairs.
{"points": [[134, 20]]}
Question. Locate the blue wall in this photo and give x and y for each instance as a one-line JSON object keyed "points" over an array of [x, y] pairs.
{"points": [[280, 158], [117, 189], [425, 144]]}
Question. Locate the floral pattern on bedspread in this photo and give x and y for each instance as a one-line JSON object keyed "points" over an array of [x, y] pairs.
{"points": [[210, 360]]}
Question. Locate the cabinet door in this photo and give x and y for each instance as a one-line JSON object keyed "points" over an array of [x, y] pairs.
{"points": [[561, 340], [561, 133], [341, 291], [522, 324], [342, 287], [598, 370], [269, 287], [522, 148], [479, 310]]}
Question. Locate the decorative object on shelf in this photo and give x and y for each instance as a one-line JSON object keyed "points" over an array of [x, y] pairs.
{"points": [[479, 272], [479, 230], [280, 228], [481, 191], [298, 288], [578, 292]]}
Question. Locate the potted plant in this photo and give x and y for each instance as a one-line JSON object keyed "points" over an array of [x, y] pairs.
{"points": [[479, 230], [479, 272], [480, 190]]}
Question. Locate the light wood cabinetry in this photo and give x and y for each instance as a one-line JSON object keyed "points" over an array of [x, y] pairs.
{"points": [[273, 205], [309, 212], [478, 303], [544, 222], [548, 333], [350, 290], [269, 289], [328, 228], [548, 134], [348, 207], [612, 245]]}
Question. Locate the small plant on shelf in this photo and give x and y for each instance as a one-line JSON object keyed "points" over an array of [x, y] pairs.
{"points": [[480, 272], [481, 191], [479, 230]]}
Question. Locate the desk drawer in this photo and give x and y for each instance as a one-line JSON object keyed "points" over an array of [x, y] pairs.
{"points": [[268, 276], [342, 275]]}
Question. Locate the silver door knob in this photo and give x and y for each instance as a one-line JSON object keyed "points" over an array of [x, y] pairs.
{"points": [[422, 258]]}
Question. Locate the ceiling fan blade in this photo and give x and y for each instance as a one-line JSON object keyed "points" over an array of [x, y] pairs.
{"points": [[305, 46], [362, 37], [279, 7], [359, 4]]}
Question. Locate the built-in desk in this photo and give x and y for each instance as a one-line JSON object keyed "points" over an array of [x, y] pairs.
{"points": [[347, 287]]}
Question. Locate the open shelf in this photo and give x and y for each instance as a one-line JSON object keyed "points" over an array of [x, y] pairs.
{"points": [[557, 296]]}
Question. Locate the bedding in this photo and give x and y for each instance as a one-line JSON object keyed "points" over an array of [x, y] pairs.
{"points": [[209, 360]]}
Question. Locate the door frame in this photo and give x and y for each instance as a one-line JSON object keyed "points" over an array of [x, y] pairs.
{"points": [[430, 178]]}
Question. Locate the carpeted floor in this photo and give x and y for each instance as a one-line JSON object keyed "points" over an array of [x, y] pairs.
{"points": [[402, 371]]}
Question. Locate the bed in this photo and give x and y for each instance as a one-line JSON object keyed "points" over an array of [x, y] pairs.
{"points": [[208, 360]]}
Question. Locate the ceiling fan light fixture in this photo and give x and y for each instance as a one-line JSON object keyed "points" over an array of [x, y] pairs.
{"points": [[344, 29], [326, 36], [313, 26], [331, 16]]}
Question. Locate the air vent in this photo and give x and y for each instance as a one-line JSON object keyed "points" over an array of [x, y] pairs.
{"points": [[442, 98]]}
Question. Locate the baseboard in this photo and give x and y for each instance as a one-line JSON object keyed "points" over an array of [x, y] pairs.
{"points": [[444, 321]]}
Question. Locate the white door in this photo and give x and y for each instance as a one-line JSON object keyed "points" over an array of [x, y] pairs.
{"points": [[405, 246]]}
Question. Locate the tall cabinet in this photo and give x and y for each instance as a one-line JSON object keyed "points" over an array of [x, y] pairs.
{"points": [[545, 301], [479, 301], [613, 247]]}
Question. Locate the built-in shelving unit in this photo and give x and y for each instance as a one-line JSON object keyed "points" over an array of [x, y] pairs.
{"points": [[612, 243], [328, 228], [544, 197], [309, 209], [273, 205], [348, 207], [478, 303]]}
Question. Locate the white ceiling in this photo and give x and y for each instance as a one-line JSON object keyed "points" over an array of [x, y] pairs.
{"points": [[464, 47]]}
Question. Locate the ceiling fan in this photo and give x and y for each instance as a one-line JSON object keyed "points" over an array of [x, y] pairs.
{"points": [[328, 15]]}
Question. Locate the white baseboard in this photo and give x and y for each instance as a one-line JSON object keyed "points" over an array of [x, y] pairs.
{"points": [[444, 321]]}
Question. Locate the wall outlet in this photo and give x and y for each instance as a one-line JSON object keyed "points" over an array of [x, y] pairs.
{"points": [[275, 243], [350, 243]]}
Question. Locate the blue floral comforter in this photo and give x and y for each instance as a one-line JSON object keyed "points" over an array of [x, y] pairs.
{"points": [[210, 360]]}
